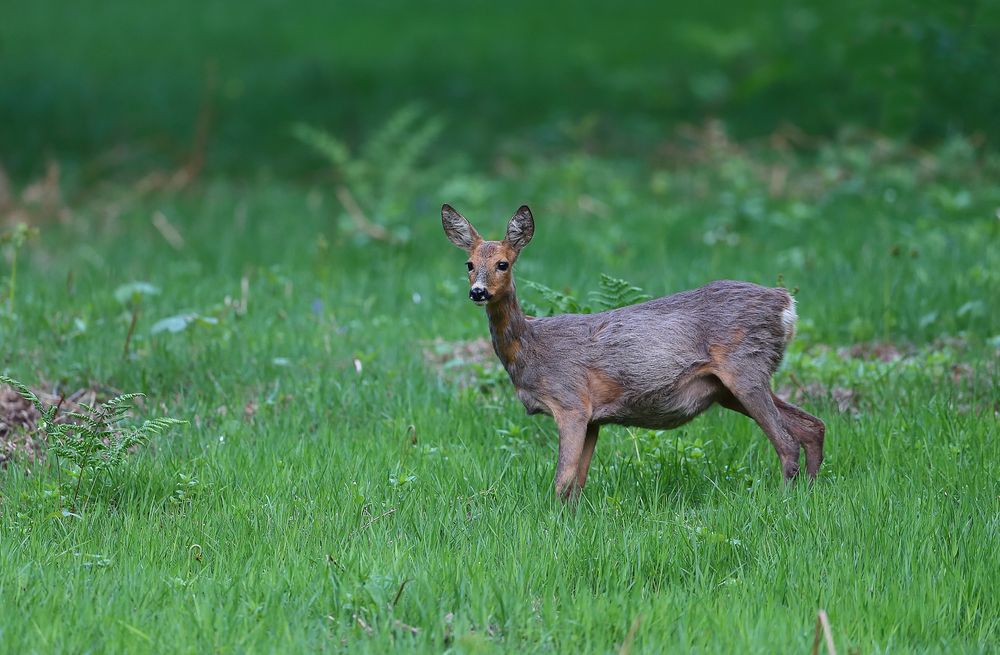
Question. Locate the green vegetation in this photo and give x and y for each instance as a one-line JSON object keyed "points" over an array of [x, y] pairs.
{"points": [[355, 473], [129, 83], [327, 464], [93, 441]]}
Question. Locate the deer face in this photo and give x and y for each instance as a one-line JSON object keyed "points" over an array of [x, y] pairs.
{"points": [[490, 270], [490, 263]]}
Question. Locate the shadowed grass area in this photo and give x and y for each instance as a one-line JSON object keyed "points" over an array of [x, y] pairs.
{"points": [[333, 491], [124, 86]]}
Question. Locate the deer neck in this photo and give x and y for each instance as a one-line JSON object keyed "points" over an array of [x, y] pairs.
{"points": [[508, 329]]}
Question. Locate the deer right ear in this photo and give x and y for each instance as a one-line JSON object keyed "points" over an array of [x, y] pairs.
{"points": [[458, 230]]}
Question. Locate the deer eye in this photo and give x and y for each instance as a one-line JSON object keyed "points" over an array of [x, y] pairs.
{"points": [[502, 266], [469, 266]]}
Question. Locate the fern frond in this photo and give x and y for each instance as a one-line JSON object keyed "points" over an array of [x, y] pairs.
{"points": [[614, 292], [382, 145], [410, 150], [95, 439], [122, 399], [157, 426], [324, 143], [557, 302], [95, 425], [531, 309], [385, 175], [23, 391]]}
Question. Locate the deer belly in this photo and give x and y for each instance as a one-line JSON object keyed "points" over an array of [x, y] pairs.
{"points": [[663, 409]]}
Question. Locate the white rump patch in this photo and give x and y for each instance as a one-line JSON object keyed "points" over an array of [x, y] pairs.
{"points": [[788, 319]]}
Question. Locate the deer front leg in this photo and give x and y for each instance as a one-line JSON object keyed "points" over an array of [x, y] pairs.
{"points": [[588, 452], [572, 436]]}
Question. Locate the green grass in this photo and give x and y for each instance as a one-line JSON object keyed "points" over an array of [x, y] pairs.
{"points": [[308, 506]]}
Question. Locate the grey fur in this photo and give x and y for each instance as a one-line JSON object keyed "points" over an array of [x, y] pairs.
{"points": [[458, 228], [657, 364], [521, 228]]}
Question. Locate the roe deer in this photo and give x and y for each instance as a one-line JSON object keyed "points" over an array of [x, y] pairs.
{"points": [[657, 364]]}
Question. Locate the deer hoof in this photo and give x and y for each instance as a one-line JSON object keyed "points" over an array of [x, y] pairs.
{"points": [[791, 471]]}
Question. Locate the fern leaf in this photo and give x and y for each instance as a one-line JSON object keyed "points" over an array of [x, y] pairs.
{"points": [[614, 292], [407, 158], [382, 145], [157, 426], [23, 391], [324, 143], [555, 302], [409, 150], [122, 399], [531, 309]]}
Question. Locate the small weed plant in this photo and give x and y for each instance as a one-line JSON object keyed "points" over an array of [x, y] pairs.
{"points": [[13, 241], [96, 440]]}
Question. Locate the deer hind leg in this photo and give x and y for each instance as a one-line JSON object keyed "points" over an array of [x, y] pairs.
{"points": [[588, 452], [754, 398], [572, 439], [807, 430]]}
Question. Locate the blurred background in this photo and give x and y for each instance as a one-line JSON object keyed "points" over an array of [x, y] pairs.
{"points": [[848, 149], [122, 87]]}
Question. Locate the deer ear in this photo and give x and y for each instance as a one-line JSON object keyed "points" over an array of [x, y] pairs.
{"points": [[520, 229], [458, 230]]}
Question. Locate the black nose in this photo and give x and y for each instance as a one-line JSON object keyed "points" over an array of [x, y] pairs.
{"points": [[478, 294]]}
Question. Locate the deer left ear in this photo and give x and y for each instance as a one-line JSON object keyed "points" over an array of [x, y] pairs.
{"points": [[520, 229]]}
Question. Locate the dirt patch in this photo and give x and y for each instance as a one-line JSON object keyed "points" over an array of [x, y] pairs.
{"points": [[882, 351], [18, 419], [19, 435], [846, 400]]}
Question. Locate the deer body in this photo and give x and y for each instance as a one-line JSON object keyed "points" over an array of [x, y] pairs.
{"points": [[657, 364], [651, 365]]}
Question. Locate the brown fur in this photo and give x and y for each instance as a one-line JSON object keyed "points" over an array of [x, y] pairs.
{"points": [[485, 256], [657, 364], [721, 351], [602, 389], [506, 328]]}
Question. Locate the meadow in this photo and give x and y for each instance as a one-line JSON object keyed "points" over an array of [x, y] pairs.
{"points": [[355, 473]]}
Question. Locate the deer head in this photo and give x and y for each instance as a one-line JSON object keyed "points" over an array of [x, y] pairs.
{"points": [[490, 263]]}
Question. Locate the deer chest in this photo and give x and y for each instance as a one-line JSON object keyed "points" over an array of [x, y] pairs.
{"points": [[532, 403]]}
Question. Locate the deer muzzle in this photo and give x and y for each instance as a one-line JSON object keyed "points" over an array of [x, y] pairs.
{"points": [[479, 295]]}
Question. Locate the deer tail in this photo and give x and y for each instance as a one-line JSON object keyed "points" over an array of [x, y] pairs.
{"points": [[788, 319]]}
